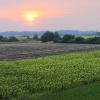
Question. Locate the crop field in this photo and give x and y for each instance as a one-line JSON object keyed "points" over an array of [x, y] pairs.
{"points": [[83, 92], [23, 79], [36, 49]]}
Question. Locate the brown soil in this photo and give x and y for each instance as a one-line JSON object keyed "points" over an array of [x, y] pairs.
{"points": [[36, 49]]}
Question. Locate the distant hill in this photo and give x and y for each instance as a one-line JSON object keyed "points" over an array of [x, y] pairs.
{"points": [[21, 33], [61, 32], [77, 32]]}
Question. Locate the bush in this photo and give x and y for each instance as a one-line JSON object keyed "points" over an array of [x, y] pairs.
{"points": [[47, 36], [12, 39], [28, 37], [57, 37], [3, 39], [93, 40], [68, 38], [35, 37], [80, 40]]}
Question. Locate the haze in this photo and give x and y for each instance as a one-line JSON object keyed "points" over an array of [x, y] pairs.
{"points": [[55, 15]]}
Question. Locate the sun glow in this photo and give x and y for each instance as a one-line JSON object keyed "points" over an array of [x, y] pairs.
{"points": [[30, 16]]}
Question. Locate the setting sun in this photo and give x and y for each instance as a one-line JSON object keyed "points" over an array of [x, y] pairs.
{"points": [[30, 16]]}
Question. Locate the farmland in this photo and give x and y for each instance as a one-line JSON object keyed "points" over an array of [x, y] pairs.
{"points": [[21, 50], [21, 79], [84, 92]]}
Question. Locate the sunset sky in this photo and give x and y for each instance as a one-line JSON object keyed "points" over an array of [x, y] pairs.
{"points": [[34, 15]]}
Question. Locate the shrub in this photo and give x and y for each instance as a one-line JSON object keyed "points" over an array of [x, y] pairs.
{"points": [[68, 38], [79, 40], [3, 39], [93, 40], [57, 37], [35, 37], [47, 36], [12, 39]]}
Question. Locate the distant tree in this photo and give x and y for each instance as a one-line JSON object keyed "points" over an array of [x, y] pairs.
{"points": [[57, 37], [5, 39], [28, 37], [1, 38], [12, 39], [93, 40], [79, 39], [47, 36], [67, 38], [35, 37]]}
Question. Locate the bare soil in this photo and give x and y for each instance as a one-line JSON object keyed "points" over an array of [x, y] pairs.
{"points": [[36, 49]]}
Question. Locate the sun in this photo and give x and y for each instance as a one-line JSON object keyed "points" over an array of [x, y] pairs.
{"points": [[30, 16]]}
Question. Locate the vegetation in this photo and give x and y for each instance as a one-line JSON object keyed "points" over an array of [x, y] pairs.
{"points": [[86, 92], [12, 39], [94, 40], [8, 39], [35, 37], [47, 36], [80, 40], [68, 38], [24, 78], [50, 36], [55, 37], [28, 37], [2, 39]]}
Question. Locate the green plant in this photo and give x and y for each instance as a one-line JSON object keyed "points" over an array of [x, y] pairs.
{"points": [[47, 36], [23, 78], [68, 38]]}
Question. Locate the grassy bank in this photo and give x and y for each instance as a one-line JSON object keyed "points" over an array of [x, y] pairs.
{"points": [[85, 92]]}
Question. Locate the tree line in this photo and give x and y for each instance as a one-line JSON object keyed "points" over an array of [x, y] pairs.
{"points": [[55, 37], [8, 39], [67, 38]]}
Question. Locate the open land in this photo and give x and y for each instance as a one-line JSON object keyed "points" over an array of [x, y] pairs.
{"points": [[24, 50], [66, 75], [32, 79]]}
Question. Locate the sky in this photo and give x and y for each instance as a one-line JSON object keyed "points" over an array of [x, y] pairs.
{"points": [[53, 15]]}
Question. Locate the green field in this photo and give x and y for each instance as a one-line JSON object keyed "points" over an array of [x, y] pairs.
{"points": [[86, 92], [24, 79]]}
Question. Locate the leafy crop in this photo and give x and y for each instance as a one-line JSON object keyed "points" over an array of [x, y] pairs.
{"points": [[22, 78]]}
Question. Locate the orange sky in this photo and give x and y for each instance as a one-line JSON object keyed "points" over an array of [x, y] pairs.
{"points": [[55, 14]]}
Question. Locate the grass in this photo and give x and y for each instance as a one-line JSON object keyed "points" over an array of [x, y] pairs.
{"points": [[86, 92], [23, 78]]}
